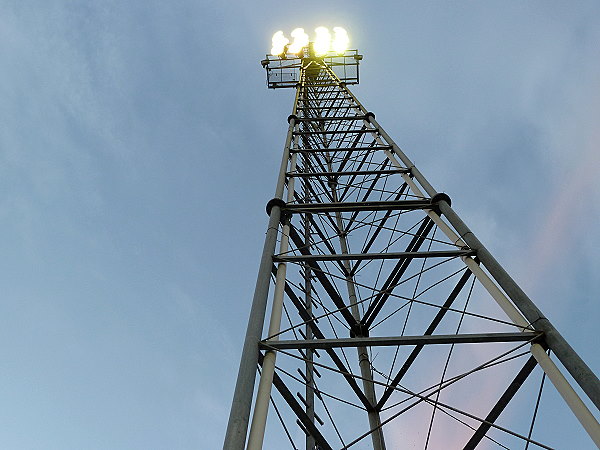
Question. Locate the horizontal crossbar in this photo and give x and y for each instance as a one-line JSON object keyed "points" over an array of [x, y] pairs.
{"points": [[371, 256], [357, 131], [476, 338], [347, 173], [358, 206], [327, 107], [327, 119], [337, 149]]}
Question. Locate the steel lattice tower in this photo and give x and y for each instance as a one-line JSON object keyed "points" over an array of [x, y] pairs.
{"points": [[387, 311]]}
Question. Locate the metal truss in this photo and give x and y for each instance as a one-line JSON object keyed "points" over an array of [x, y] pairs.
{"points": [[391, 325]]}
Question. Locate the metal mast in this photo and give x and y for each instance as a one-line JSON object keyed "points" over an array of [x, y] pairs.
{"points": [[391, 325]]}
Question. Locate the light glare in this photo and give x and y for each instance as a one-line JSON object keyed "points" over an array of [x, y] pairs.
{"points": [[300, 40], [340, 40], [278, 42], [322, 41]]}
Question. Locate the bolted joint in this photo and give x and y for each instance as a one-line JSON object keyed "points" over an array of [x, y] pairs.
{"points": [[292, 116], [369, 116], [274, 202], [359, 330], [439, 197]]}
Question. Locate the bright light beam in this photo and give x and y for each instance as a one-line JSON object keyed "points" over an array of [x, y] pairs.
{"points": [[278, 42], [322, 41], [300, 40], [340, 40]]}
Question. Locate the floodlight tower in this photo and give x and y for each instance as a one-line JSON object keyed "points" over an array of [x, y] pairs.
{"points": [[391, 325]]}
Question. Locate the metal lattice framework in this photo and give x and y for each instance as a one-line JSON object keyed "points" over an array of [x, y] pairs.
{"points": [[391, 324]]}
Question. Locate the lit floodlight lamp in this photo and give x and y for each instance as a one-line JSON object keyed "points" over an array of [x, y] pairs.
{"points": [[322, 42], [321, 46], [278, 43], [340, 40], [300, 40]]}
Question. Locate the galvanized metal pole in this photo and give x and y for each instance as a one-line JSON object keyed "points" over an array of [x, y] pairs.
{"points": [[261, 406], [237, 426], [309, 368]]}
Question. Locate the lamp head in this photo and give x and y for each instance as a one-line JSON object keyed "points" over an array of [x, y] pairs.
{"points": [[322, 45]]}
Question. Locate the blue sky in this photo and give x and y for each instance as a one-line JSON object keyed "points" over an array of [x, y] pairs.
{"points": [[139, 145]]}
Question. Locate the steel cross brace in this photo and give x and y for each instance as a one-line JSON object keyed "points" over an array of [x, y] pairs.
{"points": [[310, 320], [297, 408]]}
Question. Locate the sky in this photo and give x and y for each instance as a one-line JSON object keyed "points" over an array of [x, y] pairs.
{"points": [[139, 145]]}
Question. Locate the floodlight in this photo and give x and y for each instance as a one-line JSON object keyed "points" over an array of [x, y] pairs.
{"points": [[322, 41], [322, 45], [340, 40], [279, 41], [300, 40]]}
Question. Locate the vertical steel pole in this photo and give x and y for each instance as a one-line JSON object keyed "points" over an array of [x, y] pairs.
{"points": [[309, 392], [310, 371], [237, 426], [363, 356], [261, 406]]}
